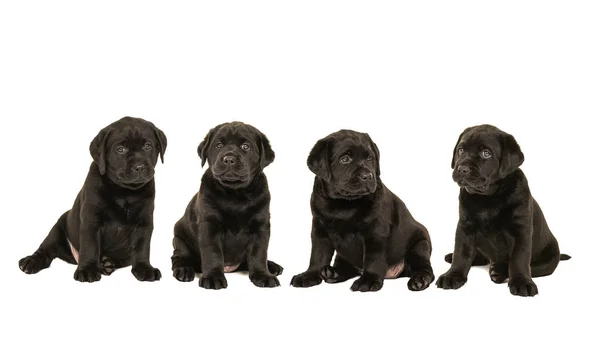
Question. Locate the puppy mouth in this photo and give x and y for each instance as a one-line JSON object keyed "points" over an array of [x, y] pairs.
{"points": [[230, 177], [353, 194], [471, 188]]}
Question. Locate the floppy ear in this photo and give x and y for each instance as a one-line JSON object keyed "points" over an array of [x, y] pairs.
{"points": [[98, 149], [267, 155], [456, 147], [512, 157], [162, 142], [318, 159], [206, 143], [376, 150]]}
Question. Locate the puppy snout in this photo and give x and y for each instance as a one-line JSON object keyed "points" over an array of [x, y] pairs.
{"points": [[229, 160], [139, 167], [366, 176], [464, 170]]}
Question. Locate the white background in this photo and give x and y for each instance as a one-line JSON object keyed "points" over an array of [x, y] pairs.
{"points": [[412, 75]]}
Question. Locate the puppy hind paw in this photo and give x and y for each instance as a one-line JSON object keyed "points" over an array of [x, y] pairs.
{"points": [[498, 273], [31, 264], [274, 268], [184, 274], [108, 266]]}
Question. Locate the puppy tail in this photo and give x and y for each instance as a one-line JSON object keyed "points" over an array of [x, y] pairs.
{"points": [[565, 257]]}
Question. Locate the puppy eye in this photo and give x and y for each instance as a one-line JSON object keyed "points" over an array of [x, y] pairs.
{"points": [[460, 151], [147, 146], [245, 147], [486, 154], [122, 150], [370, 158], [346, 159], [219, 145]]}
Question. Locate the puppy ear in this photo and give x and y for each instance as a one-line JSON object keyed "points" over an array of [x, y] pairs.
{"points": [[318, 159], [267, 155], [456, 148], [206, 143], [376, 150], [98, 149], [161, 138], [512, 157]]}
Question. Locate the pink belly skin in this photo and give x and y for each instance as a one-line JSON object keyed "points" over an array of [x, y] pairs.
{"points": [[394, 271], [75, 253], [230, 268]]}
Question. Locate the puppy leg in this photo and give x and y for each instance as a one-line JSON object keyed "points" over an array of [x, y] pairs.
{"points": [[519, 268], [51, 247], [320, 256], [464, 253], [182, 262], [212, 259], [89, 269], [257, 259], [375, 266], [419, 265], [340, 272], [141, 268]]}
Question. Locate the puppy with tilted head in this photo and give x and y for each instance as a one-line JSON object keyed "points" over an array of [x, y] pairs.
{"points": [[226, 226], [500, 223], [111, 222], [369, 228]]}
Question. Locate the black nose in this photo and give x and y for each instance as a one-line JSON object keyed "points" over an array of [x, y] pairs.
{"points": [[139, 168], [464, 169], [230, 160], [366, 176]]}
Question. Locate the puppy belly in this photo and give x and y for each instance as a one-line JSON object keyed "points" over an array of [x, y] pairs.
{"points": [[230, 268], [74, 252], [394, 271]]}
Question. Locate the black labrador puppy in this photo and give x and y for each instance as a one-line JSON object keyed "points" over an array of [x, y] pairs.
{"points": [[500, 223], [110, 224], [226, 226], [354, 214]]}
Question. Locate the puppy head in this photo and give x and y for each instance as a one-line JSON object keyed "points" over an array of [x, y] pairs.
{"points": [[127, 151], [348, 161], [482, 155], [236, 153]]}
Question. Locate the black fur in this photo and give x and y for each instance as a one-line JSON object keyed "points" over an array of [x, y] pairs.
{"points": [[499, 221], [356, 216], [227, 223], [111, 222]]}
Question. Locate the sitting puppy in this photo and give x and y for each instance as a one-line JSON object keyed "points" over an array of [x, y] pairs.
{"points": [[110, 224], [500, 223], [355, 215], [226, 226]]}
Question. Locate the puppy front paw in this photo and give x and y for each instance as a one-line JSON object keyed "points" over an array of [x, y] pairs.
{"points": [[184, 274], [419, 281], [87, 273], [524, 287], [367, 283], [274, 268], [498, 273], [264, 280], [213, 281], [145, 272], [306, 279], [451, 281]]}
